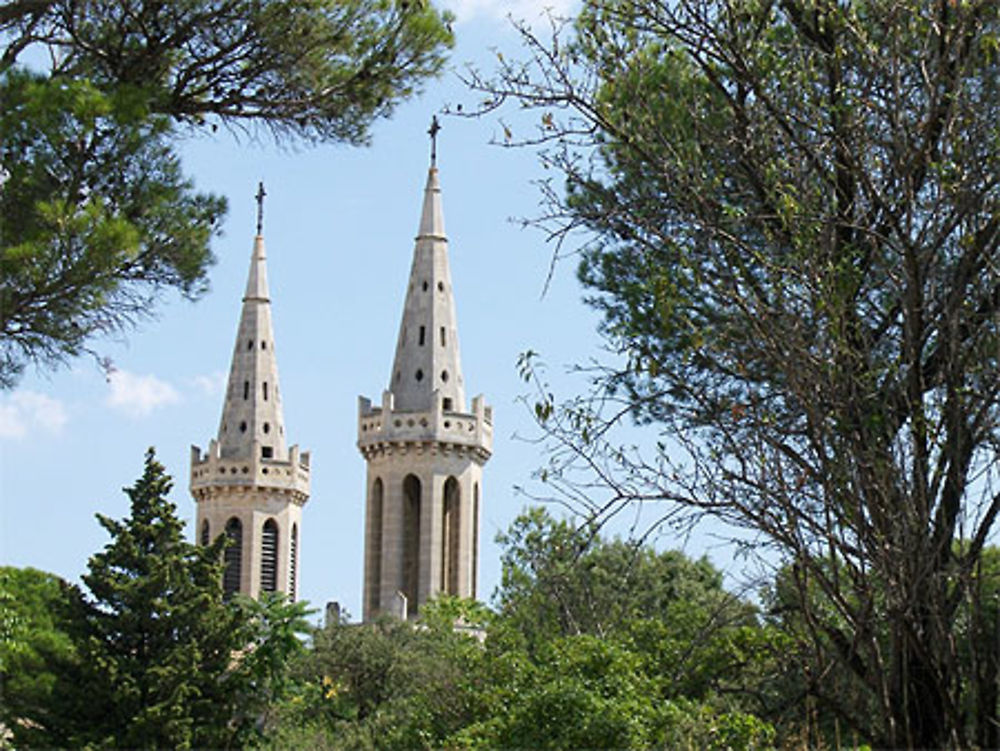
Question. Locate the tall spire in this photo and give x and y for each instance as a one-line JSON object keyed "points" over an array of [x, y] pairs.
{"points": [[423, 450], [427, 355], [249, 484], [252, 410]]}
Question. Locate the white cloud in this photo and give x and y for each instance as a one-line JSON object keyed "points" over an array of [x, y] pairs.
{"points": [[138, 395], [212, 384], [25, 411], [527, 10]]}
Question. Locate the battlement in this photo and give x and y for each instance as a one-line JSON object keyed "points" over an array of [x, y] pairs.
{"points": [[378, 426], [210, 471]]}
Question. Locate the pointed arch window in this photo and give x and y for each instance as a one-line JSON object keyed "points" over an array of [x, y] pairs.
{"points": [[293, 562], [451, 525], [374, 548], [233, 557], [411, 542], [269, 557]]}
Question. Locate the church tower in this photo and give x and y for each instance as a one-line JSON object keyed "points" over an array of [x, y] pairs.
{"points": [[424, 450], [248, 484]]}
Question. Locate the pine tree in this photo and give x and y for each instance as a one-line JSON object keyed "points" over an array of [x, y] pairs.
{"points": [[97, 218]]}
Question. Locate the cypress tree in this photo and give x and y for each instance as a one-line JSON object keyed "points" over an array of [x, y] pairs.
{"points": [[161, 648]]}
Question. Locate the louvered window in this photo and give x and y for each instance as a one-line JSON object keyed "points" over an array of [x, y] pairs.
{"points": [[233, 557], [269, 557]]}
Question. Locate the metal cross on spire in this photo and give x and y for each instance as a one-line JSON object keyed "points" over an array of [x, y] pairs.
{"points": [[432, 132], [260, 206]]}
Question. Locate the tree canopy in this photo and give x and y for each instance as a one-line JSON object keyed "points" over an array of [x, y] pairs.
{"points": [[792, 223], [314, 69], [96, 217], [545, 670], [150, 654], [36, 651]]}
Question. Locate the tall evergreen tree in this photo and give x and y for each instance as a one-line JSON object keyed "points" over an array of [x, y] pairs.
{"points": [[165, 661]]}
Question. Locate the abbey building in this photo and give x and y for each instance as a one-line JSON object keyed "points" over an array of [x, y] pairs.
{"points": [[424, 448]]}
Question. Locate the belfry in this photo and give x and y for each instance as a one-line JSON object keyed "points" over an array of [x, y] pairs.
{"points": [[423, 449], [249, 484]]}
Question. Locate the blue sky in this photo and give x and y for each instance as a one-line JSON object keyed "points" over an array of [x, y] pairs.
{"points": [[339, 226]]}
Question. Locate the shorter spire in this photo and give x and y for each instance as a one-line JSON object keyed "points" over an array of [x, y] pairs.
{"points": [[432, 132], [260, 207]]}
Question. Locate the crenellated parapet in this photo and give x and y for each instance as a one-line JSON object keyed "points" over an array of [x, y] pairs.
{"points": [[384, 430], [212, 475]]}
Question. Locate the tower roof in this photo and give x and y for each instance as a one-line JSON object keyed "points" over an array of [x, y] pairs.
{"points": [[252, 409], [427, 354]]}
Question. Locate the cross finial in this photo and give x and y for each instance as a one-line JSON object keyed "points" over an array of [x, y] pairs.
{"points": [[433, 132], [260, 206]]}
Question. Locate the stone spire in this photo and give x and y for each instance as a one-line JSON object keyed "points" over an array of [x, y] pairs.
{"points": [[249, 485], [252, 410], [423, 447], [427, 355]]}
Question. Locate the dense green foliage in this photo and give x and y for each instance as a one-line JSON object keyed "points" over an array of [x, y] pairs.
{"points": [[594, 643], [36, 652], [150, 655], [95, 216], [665, 669], [792, 225], [314, 69], [559, 579], [96, 219]]}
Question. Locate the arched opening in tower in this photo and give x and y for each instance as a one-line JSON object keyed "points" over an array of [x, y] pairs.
{"points": [[374, 547], [233, 558], [475, 541], [269, 557], [451, 536], [411, 543], [293, 562]]}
